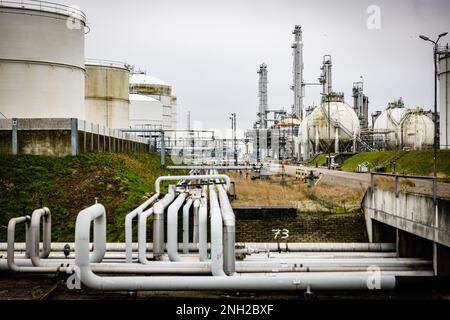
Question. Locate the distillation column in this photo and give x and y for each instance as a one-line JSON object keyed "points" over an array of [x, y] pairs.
{"points": [[297, 85], [262, 95]]}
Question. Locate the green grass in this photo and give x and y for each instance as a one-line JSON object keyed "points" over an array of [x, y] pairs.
{"points": [[418, 162], [66, 185], [319, 160]]}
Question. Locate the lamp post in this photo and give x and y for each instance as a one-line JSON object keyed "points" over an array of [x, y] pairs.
{"points": [[233, 128], [435, 53]]}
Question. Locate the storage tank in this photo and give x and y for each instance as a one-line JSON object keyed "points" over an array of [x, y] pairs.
{"points": [[150, 86], [416, 130], [145, 112], [344, 129], [444, 97], [385, 127], [107, 93], [41, 60]]}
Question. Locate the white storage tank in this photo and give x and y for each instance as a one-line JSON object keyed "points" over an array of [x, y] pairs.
{"points": [[344, 129], [444, 97], [150, 86], [145, 112], [107, 93], [416, 130], [385, 127], [41, 60]]}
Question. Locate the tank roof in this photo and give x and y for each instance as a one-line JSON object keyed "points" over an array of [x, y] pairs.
{"points": [[142, 78]]}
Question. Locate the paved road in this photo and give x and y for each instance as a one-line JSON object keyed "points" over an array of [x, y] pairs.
{"points": [[362, 180]]}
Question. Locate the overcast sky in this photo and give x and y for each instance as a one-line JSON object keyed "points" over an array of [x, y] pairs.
{"points": [[209, 51]]}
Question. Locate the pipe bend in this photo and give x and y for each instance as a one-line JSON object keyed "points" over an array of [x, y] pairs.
{"points": [[172, 227]]}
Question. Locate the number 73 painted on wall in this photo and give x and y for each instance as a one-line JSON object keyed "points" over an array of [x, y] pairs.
{"points": [[281, 233]]}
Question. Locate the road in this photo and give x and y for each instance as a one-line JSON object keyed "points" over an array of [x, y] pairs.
{"points": [[362, 180]]}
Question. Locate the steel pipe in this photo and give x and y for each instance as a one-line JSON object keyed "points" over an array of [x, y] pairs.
{"points": [[142, 236], [229, 233], [186, 209], [158, 222], [172, 227], [192, 177], [129, 228], [36, 217], [216, 234], [203, 227]]}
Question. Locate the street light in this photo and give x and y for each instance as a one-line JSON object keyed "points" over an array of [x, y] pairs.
{"points": [[233, 128], [435, 53]]}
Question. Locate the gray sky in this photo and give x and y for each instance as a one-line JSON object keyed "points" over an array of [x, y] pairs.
{"points": [[209, 51]]}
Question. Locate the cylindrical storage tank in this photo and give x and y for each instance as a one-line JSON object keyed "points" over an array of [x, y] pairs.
{"points": [[444, 98], [150, 86], [107, 93], [145, 112], [385, 126], [41, 60], [342, 121], [416, 130]]}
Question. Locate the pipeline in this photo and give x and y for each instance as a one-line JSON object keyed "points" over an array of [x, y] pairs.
{"points": [[299, 282]]}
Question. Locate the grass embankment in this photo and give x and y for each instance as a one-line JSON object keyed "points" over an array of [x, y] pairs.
{"points": [[291, 192], [318, 160], [66, 185], [418, 162]]}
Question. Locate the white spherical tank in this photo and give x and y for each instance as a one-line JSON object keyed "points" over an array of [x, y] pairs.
{"points": [[416, 130], [444, 97], [41, 60], [385, 126], [332, 123], [107, 93]]}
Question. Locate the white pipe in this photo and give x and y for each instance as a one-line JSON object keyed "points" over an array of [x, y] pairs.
{"points": [[172, 227], [142, 235], [299, 282], [195, 231], [307, 247], [35, 235], [229, 232], [192, 177], [216, 234], [129, 228], [203, 227], [158, 223], [186, 209]]}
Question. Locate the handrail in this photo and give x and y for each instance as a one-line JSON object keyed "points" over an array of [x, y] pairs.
{"points": [[107, 63], [404, 176], [46, 7]]}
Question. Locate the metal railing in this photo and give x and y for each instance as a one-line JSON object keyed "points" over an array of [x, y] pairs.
{"points": [[46, 7], [107, 63], [396, 181]]}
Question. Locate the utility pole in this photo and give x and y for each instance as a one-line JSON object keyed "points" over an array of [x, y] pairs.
{"points": [[233, 128], [435, 144]]}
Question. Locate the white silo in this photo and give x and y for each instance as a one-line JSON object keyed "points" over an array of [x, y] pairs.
{"points": [[41, 60], [145, 112], [385, 127], [141, 83], [416, 130], [107, 93], [444, 97], [332, 125]]}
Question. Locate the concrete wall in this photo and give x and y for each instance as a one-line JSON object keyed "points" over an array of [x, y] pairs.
{"points": [[412, 213], [422, 229], [62, 137]]}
